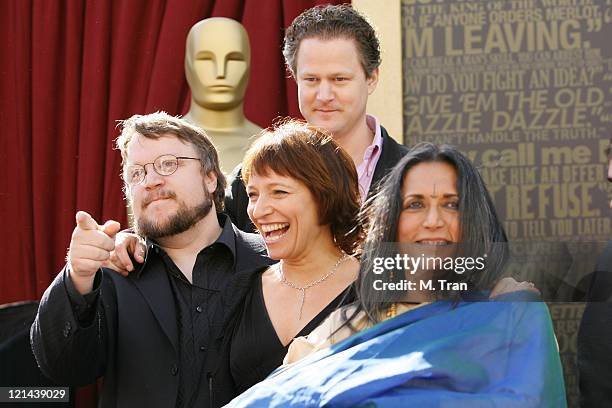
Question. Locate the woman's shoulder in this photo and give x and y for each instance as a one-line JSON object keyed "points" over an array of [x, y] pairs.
{"points": [[517, 310], [268, 274]]}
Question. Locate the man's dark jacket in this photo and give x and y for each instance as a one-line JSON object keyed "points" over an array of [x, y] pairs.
{"points": [[133, 340], [236, 199], [595, 337]]}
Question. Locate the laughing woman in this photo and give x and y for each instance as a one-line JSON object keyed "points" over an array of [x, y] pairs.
{"points": [[304, 200], [425, 347]]}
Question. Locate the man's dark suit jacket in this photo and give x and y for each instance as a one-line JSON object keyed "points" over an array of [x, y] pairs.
{"points": [[236, 199], [133, 340], [595, 338]]}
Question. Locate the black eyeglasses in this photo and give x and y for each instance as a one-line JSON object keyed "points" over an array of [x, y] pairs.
{"points": [[164, 165]]}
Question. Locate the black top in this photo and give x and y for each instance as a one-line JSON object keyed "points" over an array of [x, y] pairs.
{"points": [[256, 349], [236, 199], [199, 311], [199, 307]]}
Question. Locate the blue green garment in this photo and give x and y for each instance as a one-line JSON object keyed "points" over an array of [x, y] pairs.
{"points": [[480, 354]]}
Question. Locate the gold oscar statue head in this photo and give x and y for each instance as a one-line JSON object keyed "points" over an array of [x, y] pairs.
{"points": [[217, 59]]}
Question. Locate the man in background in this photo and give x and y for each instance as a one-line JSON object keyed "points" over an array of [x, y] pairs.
{"points": [[333, 54]]}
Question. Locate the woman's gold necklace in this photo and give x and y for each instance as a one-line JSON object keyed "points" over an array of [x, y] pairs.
{"points": [[302, 289]]}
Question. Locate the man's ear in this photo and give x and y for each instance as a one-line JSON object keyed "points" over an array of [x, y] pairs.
{"points": [[210, 181], [372, 81]]}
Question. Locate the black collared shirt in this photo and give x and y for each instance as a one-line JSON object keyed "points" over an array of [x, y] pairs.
{"points": [[199, 309]]}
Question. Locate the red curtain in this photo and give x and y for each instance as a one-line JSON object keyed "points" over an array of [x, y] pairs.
{"points": [[69, 70]]}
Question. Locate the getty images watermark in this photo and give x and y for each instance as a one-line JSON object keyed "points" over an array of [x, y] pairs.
{"points": [[422, 264]]}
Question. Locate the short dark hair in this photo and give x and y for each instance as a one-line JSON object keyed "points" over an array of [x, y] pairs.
{"points": [[309, 154], [154, 125], [331, 22], [481, 231]]}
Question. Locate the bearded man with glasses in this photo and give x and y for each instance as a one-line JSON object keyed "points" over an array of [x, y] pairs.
{"points": [[179, 221], [154, 335]]}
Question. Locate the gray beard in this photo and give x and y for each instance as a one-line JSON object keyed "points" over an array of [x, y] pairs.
{"points": [[184, 219]]}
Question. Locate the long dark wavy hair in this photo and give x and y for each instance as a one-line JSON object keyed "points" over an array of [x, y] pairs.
{"points": [[481, 231]]}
